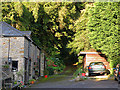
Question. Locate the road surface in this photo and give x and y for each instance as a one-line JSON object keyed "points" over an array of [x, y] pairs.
{"points": [[68, 82]]}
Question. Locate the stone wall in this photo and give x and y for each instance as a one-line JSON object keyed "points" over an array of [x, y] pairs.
{"points": [[32, 56], [26, 42], [27, 60], [19, 51], [15, 51], [38, 58], [30, 53], [14, 48]]}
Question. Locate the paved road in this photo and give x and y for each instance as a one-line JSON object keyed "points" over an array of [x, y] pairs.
{"points": [[69, 83]]}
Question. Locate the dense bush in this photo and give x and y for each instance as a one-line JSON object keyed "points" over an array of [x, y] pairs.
{"points": [[54, 64]]}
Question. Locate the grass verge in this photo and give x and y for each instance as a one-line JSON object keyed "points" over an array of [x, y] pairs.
{"points": [[52, 78]]}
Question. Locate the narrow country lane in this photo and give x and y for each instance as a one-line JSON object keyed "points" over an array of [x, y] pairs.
{"points": [[68, 82]]}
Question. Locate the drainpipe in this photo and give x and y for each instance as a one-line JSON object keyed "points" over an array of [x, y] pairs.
{"points": [[8, 48], [9, 58]]}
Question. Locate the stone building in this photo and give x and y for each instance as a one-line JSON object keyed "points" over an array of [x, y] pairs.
{"points": [[22, 59]]}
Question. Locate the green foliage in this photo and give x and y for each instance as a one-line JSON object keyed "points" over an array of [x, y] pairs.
{"points": [[58, 26], [31, 80], [20, 72], [80, 41], [103, 30], [54, 64], [80, 70], [50, 70], [5, 66], [15, 82], [97, 28], [46, 72], [51, 23], [80, 58]]}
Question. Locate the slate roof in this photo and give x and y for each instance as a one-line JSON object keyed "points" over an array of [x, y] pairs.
{"points": [[8, 30]]}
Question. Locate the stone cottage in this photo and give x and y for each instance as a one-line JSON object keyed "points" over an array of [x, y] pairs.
{"points": [[93, 56], [21, 57]]}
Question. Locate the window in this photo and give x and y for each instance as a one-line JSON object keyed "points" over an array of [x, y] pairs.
{"points": [[14, 65]]}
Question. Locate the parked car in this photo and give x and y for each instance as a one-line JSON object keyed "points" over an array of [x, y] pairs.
{"points": [[96, 67], [117, 73]]}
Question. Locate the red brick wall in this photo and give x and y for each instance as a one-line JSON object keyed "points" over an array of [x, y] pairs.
{"points": [[95, 58]]}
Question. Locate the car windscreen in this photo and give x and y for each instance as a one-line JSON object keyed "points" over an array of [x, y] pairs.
{"points": [[96, 63]]}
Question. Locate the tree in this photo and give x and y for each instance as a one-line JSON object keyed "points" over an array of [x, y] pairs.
{"points": [[103, 27], [63, 15], [80, 41], [51, 23]]}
